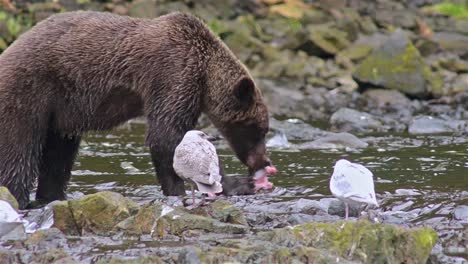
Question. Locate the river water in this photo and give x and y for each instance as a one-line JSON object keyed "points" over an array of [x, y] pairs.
{"points": [[420, 180]]}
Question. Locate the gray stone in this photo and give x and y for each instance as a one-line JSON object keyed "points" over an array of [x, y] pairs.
{"points": [[397, 64], [295, 129], [12, 231], [432, 125], [452, 41], [460, 84], [335, 141], [350, 120], [337, 207], [461, 213]]}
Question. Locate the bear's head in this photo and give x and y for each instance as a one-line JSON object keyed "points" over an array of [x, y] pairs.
{"points": [[235, 106]]}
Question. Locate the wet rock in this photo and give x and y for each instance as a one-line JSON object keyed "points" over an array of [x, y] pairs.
{"points": [[226, 213], [55, 256], [432, 125], [39, 219], [335, 141], [461, 213], [398, 65], [99, 213], [63, 218], [403, 206], [5, 195], [360, 241], [337, 207], [12, 231], [350, 120], [47, 239], [190, 255], [279, 140], [295, 129], [144, 222], [180, 221]]}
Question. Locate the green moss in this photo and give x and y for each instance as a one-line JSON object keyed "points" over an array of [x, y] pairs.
{"points": [[3, 15], [362, 241], [425, 238], [329, 39], [356, 51], [100, 212], [282, 255], [450, 9], [5, 194], [399, 67], [218, 27], [63, 218], [294, 24]]}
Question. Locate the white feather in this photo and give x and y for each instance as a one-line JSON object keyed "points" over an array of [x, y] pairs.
{"points": [[196, 160], [353, 183]]}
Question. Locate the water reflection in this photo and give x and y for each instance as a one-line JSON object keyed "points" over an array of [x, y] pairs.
{"points": [[420, 175]]}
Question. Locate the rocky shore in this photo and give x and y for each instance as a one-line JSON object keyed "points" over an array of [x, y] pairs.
{"points": [[336, 75]]}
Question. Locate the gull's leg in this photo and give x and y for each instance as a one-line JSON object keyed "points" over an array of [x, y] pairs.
{"points": [[346, 211]]}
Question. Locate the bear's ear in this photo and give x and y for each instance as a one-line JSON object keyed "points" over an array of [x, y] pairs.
{"points": [[244, 91]]}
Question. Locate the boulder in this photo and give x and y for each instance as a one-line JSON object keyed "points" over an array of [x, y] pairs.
{"points": [[423, 124], [350, 120], [100, 212], [160, 220], [5, 195], [335, 141], [398, 65], [326, 39], [452, 42], [360, 241], [63, 218]]}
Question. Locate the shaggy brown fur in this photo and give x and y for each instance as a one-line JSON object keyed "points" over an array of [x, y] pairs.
{"points": [[87, 71]]}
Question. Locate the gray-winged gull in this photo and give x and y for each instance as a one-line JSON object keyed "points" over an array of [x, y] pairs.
{"points": [[196, 161], [352, 183]]}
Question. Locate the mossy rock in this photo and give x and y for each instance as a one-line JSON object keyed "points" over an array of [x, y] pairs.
{"points": [[63, 218], [356, 52], [362, 241], [226, 213], [398, 65], [5, 195], [99, 213], [181, 221], [144, 221], [327, 38]]}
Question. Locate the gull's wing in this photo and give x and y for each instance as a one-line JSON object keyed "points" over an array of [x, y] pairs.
{"points": [[197, 161], [354, 182]]}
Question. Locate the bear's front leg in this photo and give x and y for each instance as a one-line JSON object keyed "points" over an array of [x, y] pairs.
{"points": [[162, 143]]}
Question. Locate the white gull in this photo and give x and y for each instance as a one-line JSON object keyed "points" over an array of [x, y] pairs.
{"points": [[352, 183]]}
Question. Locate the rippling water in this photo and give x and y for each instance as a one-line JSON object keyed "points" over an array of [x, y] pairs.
{"points": [[424, 177], [418, 167]]}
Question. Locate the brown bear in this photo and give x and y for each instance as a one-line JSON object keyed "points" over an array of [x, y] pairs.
{"points": [[89, 71]]}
